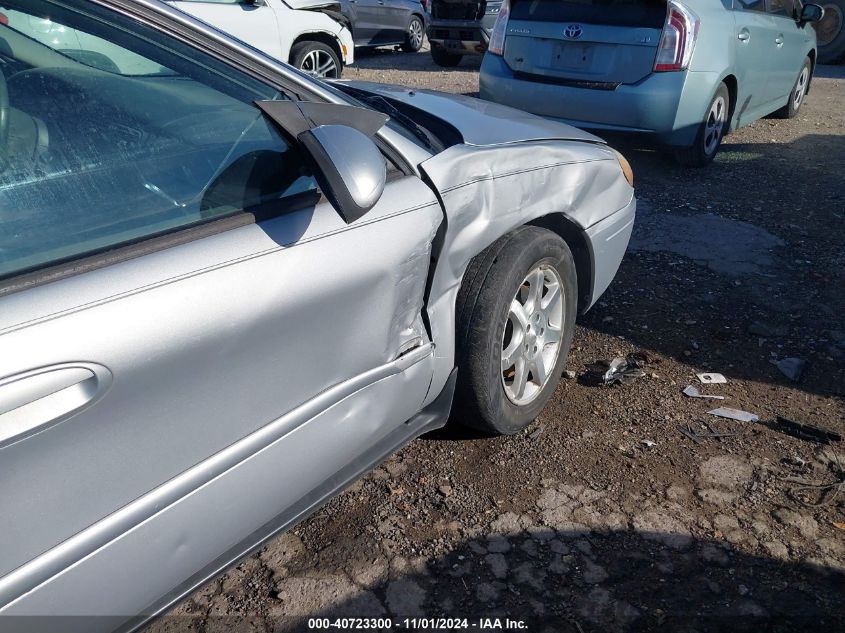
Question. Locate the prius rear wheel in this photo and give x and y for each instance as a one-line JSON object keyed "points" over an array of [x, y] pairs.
{"points": [[710, 133], [516, 318], [799, 91]]}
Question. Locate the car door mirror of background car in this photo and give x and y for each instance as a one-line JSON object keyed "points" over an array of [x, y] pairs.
{"points": [[350, 168], [338, 139], [811, 13]]}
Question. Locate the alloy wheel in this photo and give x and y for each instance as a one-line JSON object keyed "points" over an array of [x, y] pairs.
{"points": [[532, 339], [415, 34], [319, 64], [801, 88], [714, 125]]}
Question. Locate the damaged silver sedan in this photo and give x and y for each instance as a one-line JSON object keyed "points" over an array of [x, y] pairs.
{"points": [[228, 290]]}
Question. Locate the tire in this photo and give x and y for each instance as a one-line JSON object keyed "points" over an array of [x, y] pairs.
{"points": [[414, 36], [831, 32], [798, 93], [710, 133], [304, 54], [444, 58], [487, 397]]}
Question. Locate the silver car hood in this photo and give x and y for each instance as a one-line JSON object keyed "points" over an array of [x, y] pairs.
{"points": [[480, 123]]}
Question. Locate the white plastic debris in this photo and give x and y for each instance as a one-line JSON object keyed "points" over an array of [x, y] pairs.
{"points": [[693, 392], [648, 443], [734, 414], [712, 379]]}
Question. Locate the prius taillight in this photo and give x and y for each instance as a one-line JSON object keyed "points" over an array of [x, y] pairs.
{"points": [[677, 41]]}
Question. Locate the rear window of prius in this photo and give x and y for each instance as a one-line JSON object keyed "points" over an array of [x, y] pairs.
{"points": [[634, 13]]}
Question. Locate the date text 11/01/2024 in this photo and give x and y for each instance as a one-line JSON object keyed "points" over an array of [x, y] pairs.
{"points": [[417, 624]]}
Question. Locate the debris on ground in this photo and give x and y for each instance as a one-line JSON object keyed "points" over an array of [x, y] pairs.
{"points": [[712, 379], [648, 443], [792, 368], [805, 431], [698, 438], [619, 370], [569, 374], [796, 462], [734, 414], [693, 392]]}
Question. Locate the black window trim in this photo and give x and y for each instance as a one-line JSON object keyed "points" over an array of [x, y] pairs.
{"points": [[87, 261], [796, 6], [738, 6]]}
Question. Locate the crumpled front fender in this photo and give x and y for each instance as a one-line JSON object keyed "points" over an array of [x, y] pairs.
{"points": [[487, 192]]}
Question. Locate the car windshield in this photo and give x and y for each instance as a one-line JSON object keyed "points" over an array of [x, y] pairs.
{"points": [[401, 122], [84, 48], [114, 131]]}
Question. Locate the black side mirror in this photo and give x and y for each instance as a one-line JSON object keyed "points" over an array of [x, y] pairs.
{"points": [[811, 13]]}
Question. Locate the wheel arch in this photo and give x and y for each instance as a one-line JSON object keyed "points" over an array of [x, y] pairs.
{"points": [[318, 36], [576, 240], [813, 57], [733, 92]]}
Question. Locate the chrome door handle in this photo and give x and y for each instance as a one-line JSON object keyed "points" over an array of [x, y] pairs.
{"points": [[34, 400], [743, 36]]}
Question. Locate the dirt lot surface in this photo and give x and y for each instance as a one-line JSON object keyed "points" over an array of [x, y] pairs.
{"points": [[603, 516]]}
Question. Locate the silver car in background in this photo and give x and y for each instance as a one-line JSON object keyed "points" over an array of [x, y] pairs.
{"points": [[685, 71], [227, 290]]}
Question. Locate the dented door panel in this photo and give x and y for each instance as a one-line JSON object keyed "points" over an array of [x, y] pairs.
{"points": [[206, 342]]}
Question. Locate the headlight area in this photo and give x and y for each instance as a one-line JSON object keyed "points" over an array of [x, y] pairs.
{"points": [[626, 167]]}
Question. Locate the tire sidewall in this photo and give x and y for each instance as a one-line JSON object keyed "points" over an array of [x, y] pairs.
{"points": [[409, 45], [303, 48], [484, 358], [723, 92], [835, 51], [792, 111], [444, 58]]}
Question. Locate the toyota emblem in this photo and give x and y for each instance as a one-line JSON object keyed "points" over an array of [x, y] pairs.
{"points": [[573, 32]]}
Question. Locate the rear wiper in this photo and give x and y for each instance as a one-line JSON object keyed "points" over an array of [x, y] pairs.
{"points": [[383, 105]]}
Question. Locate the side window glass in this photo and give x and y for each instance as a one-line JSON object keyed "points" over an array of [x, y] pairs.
{"points": [[783, 8], [112, 132], [751, 5]]}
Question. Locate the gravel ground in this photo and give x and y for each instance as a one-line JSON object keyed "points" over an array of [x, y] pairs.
{"points": [[602, 516]]}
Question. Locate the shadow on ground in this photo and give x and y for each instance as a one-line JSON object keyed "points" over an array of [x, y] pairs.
{"points": [[746, 268], [570, 580]]}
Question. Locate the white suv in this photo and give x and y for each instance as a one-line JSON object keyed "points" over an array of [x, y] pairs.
{"points": [[304, 33]]}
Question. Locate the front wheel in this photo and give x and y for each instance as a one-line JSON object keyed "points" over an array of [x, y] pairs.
{"points": [[444, 58], [316, 59], [414, 36], [516, 318], [710, 133], [799, 91]]}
